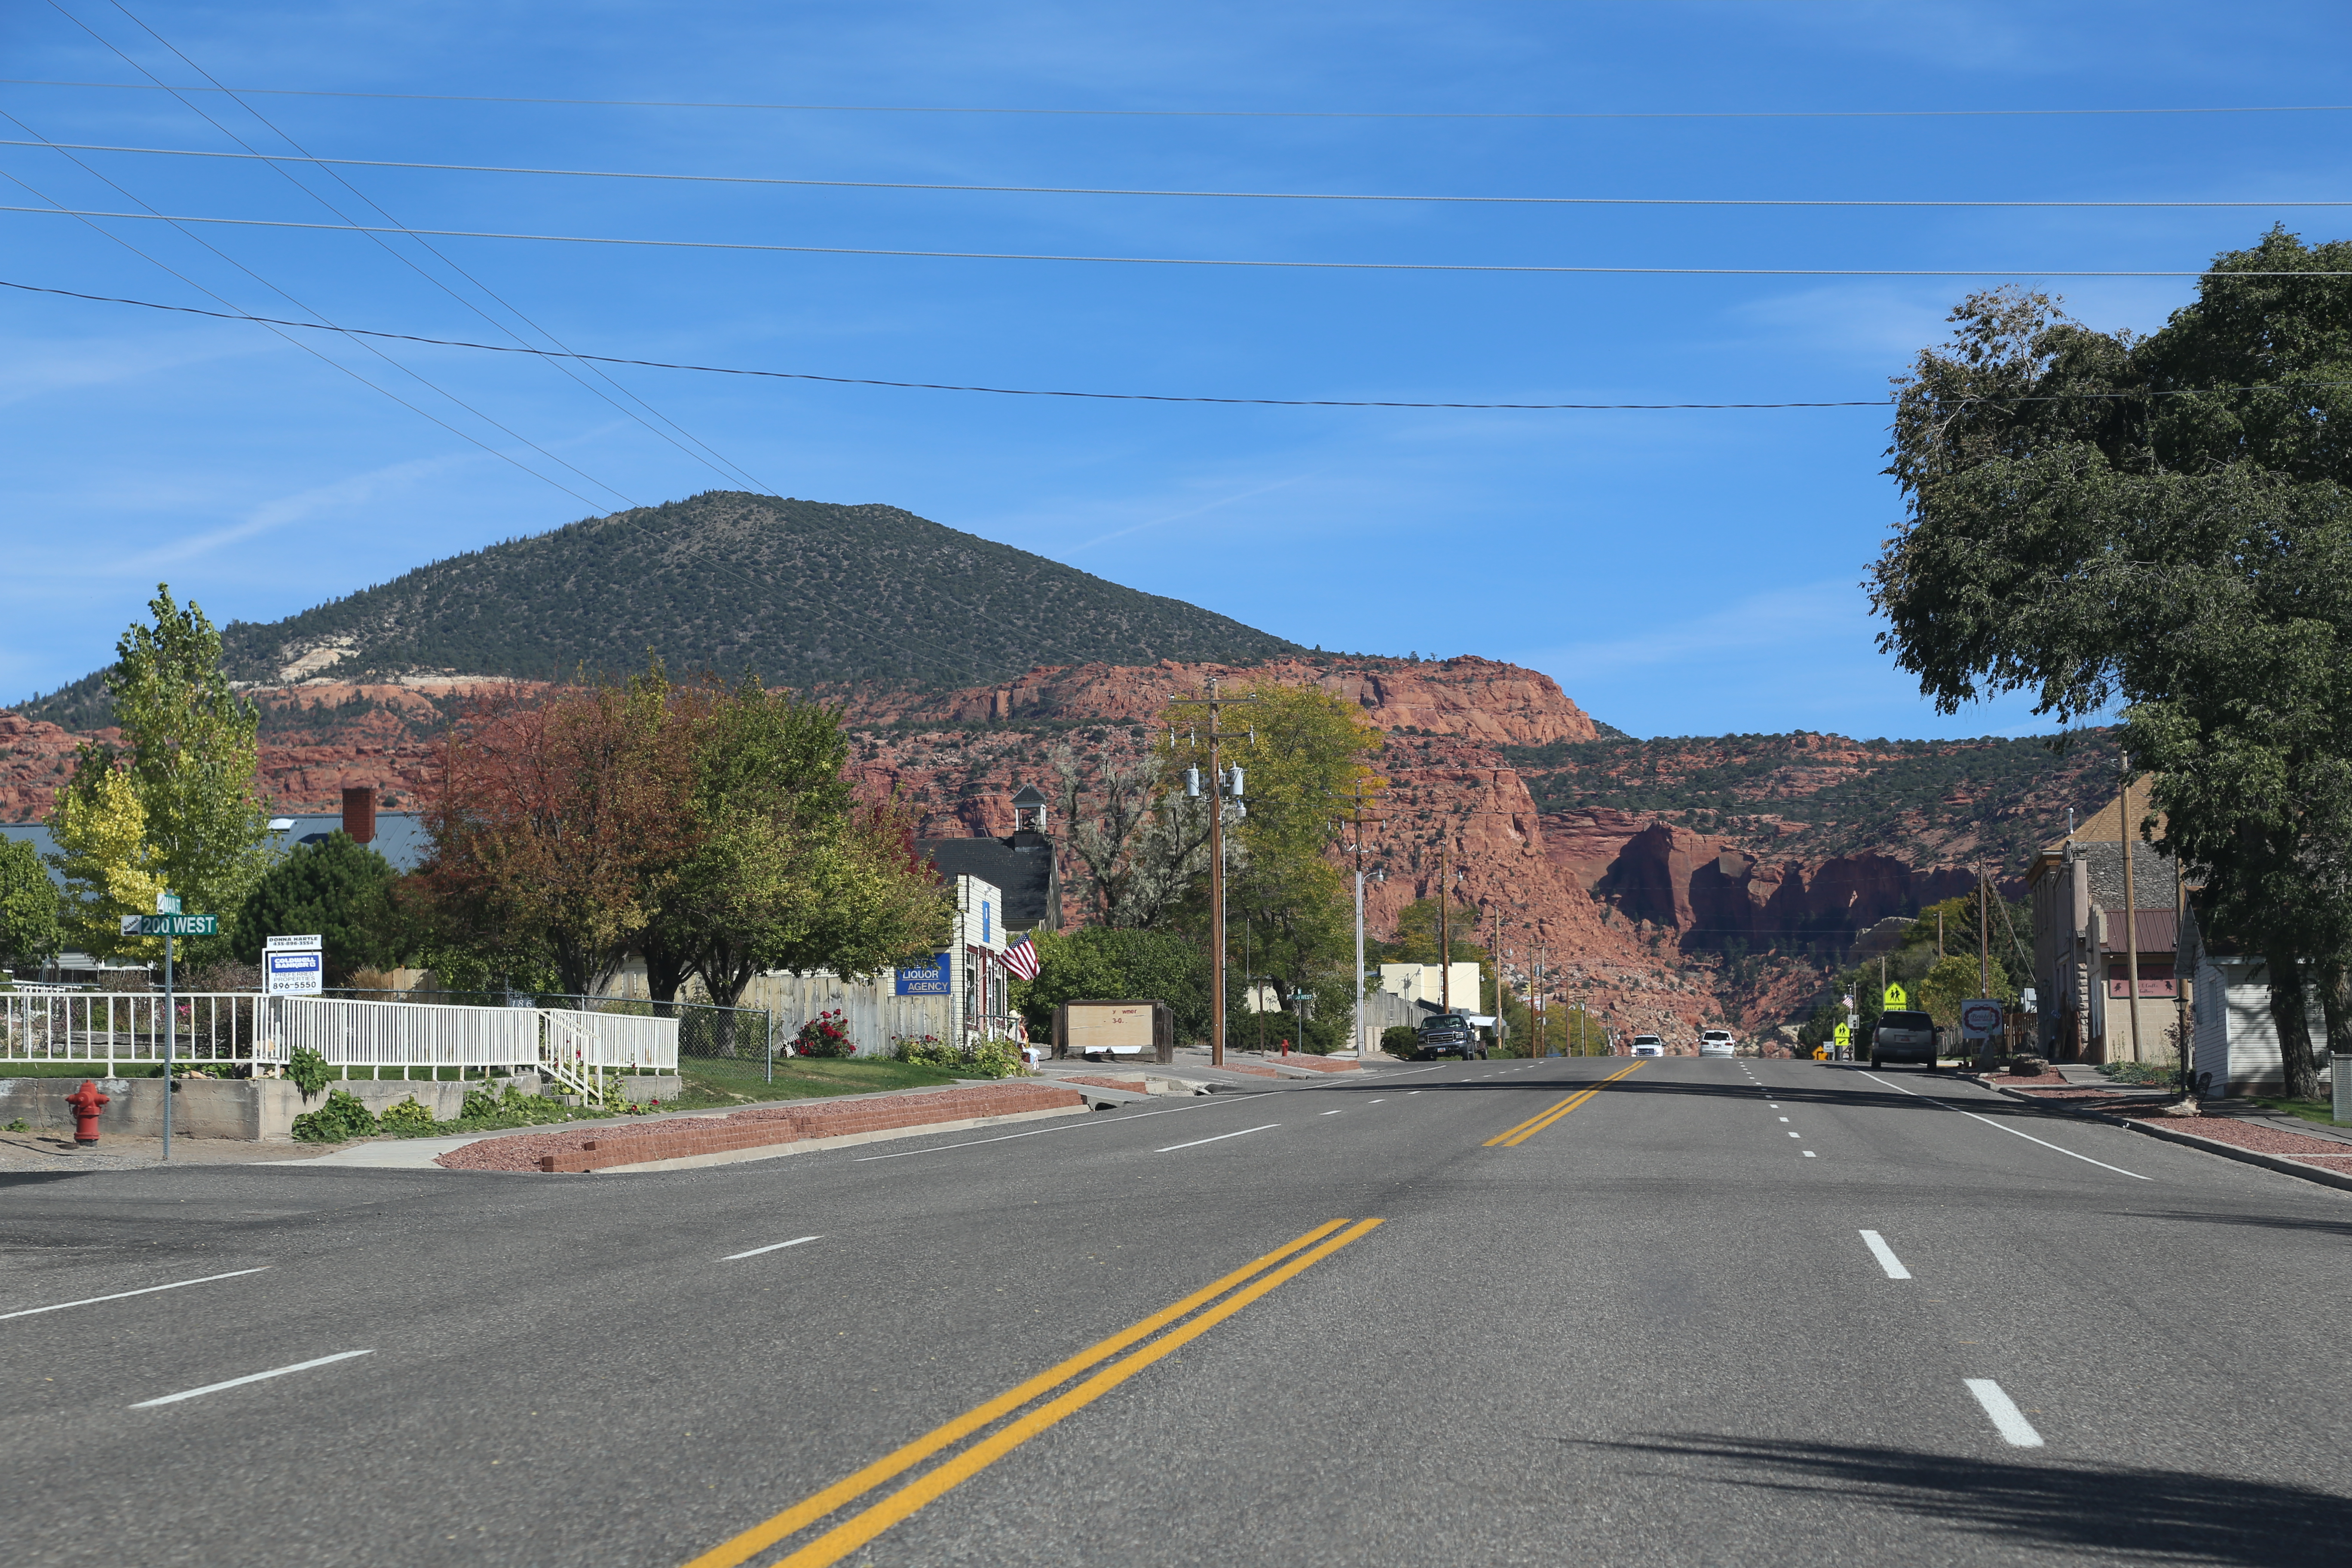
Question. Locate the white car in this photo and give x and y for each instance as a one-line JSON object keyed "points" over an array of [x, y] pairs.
{"points": [[1648, 1046], [1717, 1043]]}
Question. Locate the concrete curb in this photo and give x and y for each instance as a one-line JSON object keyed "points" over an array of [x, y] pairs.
{"points": [[2283, 1165]]}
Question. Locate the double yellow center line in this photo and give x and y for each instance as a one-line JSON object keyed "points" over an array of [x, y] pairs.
{"points": [[1255, 1280], [1551, 1113]]}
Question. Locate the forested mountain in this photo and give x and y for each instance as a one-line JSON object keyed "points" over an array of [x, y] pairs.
{"points": [[806, 593]]}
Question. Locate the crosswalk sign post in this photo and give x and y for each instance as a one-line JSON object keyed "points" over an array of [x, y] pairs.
{"points": [[1844, 1043]]}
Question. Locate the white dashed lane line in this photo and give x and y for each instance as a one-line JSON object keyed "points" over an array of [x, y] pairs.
{"points": [[143, 1291], [1885, 1256], [258, 1376], [772, 1246], [2007, 1417], [1220, 1137]]}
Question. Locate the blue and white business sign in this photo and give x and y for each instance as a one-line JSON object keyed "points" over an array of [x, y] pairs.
{"points": [[928, 979], [293, 966]]}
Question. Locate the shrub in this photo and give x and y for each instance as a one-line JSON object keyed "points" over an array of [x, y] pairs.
{"points": [[2159, 1074], [340, 1118], [1400, 1040], [409, 1119], [480, 1106], [824, 1036], [987, 1058], [307, 1068]]}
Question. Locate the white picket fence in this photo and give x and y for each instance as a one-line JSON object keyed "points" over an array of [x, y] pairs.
{"points": [[240, 1029]]}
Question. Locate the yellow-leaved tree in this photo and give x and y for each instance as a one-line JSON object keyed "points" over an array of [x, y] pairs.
{"points": [[1290, 917], [110, 868]]}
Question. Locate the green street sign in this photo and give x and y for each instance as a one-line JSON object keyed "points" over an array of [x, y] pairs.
{"points": [[171, 925]]}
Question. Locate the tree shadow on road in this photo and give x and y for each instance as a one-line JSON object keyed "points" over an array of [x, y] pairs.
{"points": [[2138, 1515]]}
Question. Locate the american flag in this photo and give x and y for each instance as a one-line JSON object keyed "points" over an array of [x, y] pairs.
{"points": [[1022, 959]]}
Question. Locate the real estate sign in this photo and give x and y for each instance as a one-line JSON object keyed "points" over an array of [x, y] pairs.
{"points": [[293, 966]]}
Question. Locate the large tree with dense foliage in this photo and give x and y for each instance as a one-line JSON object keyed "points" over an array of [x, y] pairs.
{"points": [[29, 903], [336, 889], [2161, 523], [190, 764], [1111, 964], [561, 821]]}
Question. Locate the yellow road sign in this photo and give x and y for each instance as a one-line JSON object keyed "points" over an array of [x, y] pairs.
{"points": [[1897, 997]]}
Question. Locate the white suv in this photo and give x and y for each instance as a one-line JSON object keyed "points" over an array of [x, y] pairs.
{"points": [[1648, 1046], [1717, 1043]]}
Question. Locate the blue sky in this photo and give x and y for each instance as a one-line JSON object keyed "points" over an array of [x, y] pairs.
{"points": [[1677, 573]]}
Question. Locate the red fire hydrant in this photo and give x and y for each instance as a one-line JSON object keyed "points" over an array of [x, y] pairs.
{"points": [[87, 1103]]}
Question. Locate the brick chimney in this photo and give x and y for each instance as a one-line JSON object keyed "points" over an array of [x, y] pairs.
{"points": [[359, 814]]}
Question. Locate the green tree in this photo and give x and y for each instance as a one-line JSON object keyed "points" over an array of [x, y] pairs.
{"points": [[194, 758], [337, 890], [782, 868], [29, 907], [1114, 964], [2162, 523]]}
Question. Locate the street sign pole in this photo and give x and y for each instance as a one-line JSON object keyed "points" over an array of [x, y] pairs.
{"points": [[170, 1030]]}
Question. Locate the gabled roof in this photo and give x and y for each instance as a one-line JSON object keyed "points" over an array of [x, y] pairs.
{"points": [[1021, 864]]}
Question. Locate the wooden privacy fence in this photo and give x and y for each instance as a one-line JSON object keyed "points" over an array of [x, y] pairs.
{"points": [[870, 1009]]}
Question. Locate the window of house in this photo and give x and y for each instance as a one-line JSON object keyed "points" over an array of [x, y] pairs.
{"points": [[2154, 978]]}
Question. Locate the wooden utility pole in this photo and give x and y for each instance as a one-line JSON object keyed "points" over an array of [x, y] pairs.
{"points": [[1216, 705], [2131, 922], [1358, 819], [1445, 938], [2180, 984]]}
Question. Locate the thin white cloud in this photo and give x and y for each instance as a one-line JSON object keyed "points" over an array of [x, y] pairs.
{"points": [[1685, 629], [1189, 512]]}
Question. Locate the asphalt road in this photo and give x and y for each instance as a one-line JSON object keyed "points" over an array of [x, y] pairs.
{"points": [[1646, 1326]]}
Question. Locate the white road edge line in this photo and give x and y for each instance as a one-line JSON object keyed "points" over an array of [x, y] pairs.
{"points": [[249, 1377], [772, 1246], [2028, 1137], [143, 1291], [2006, 1416], [1034, 1133], [1220, 1137], [1885, 1256]]}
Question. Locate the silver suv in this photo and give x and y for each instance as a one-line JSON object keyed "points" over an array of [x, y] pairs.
{"points": [[1903, 1037]]}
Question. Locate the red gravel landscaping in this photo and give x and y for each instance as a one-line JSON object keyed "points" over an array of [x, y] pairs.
{"points": [[2261, 1139]]}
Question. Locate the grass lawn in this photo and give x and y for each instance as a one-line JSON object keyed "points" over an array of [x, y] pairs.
{"points": [[717, 1080], [2320, 1110]]}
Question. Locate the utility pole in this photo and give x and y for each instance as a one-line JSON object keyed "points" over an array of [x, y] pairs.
{"points": [[1216, 705], [2181, 985], [1358, 819], [2131, 923], [1445, 938]]}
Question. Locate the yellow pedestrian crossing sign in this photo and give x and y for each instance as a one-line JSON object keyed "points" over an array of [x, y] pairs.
{"points": [[1844, 1036], [1897, 997]]}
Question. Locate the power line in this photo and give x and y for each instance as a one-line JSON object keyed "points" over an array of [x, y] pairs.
{"points": [[1227, 113], [708, 457], [1886, 402], [319, 317], [297, 342], [2003, 202], [1497, 266]]}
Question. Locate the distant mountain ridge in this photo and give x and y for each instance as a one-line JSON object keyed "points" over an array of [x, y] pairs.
{"points": [[808, 594]]}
